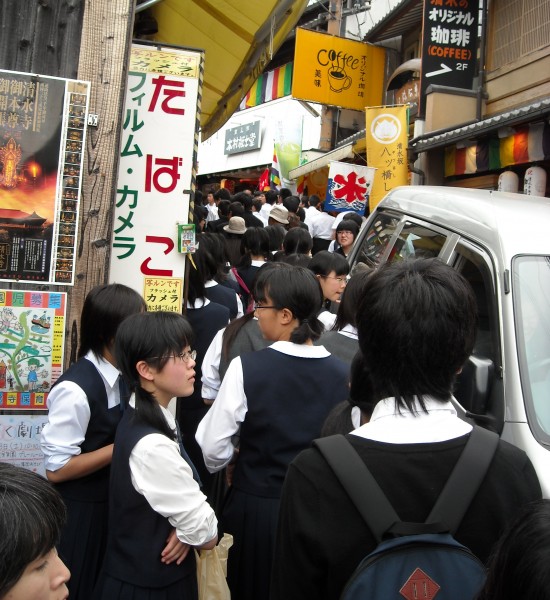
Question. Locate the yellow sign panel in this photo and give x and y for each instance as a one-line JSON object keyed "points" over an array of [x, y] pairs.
{"points": [[387, 141], [337, 71], [163, 293]]}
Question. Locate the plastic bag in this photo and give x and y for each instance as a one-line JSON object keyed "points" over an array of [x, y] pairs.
{"points": [[212, 571]]}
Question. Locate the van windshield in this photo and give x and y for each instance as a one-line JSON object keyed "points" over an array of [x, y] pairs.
{"points": [[532, 319]]}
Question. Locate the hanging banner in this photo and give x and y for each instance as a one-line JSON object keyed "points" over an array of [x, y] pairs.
{"points": [[42, 135], [337, 71], [287, 147], [349, 187], [157, 160], [387, 139], [449, 45], [32, 327]]}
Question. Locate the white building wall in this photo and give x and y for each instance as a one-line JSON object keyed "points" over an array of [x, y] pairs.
{"points": [[211, 157]]}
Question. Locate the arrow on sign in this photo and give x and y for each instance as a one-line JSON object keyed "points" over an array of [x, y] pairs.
{"points": [[444, 69]]}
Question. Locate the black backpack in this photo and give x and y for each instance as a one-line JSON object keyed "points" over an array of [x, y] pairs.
{"points": [[414, 561]]}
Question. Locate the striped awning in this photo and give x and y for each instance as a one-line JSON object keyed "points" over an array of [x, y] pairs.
{"points": [[269, 86]]}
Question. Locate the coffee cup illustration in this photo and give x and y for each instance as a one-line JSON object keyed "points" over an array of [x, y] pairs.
{"points": [[338, 80]]}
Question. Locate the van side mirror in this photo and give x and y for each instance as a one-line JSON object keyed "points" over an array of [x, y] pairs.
{"points": [[473, 385]]}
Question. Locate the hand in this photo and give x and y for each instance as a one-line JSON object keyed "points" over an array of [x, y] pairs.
{"points": [[175, 550]]}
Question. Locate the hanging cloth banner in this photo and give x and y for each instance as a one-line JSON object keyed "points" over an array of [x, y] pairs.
{"points": [[387, 133], [349, 187]]}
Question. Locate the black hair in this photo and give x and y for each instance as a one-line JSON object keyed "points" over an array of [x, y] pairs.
{"points": [[200, 213], [348, 225], [291, 203], [214, 244], [105, 307], [254, 242], [236, 209], [198, 199], [518, 567], [151, 337], [284, 193], [223, 208], [203, 268], [295, 260], [314, 200], [257, 204], [222, 194], [353, 216], [31, 519], [276, 235], [295, 289], [324, 262], [271, 197], [247, 201], [351, 296], [416, 324], [297, 241]]}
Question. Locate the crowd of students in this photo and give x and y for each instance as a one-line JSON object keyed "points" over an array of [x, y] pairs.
{"points": [[274, 349]]}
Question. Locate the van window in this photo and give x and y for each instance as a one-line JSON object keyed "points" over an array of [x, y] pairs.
{"points": [[479, 387], [377, 238], [417, 241], [531, 292]]}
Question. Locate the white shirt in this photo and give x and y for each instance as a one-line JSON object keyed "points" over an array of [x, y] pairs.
{"points": [[311, 214], [164, 478], [225, 416], [439, 424], [69, 415], [321, 227], [212, 213], [264, 212], [210, 378], [327, 319]]}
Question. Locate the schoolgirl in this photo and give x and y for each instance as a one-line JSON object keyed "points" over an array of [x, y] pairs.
{"points": [[276, 399], [85, 407], [156, 509]]}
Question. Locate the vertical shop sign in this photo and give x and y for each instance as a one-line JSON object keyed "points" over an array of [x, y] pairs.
{"points": [[349, 187], [42, 135], [448, 44], [387, 133], [32, 326], [157, 158]]}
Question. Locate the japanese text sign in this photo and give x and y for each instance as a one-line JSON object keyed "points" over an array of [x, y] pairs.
{"points": [[449, 44], [163, 293], [156, 164], [348, 188], [32, 328], [243, 138], [42, 135], [337, 71], [20, 441], [387, 133]]}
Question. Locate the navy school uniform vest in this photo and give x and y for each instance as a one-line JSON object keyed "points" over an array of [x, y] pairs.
{"points": [[137, 534], [288, 401], [224, 296], [100, 432]]}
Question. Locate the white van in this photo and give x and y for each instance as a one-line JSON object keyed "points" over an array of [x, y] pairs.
{"points": [[501, 243]]}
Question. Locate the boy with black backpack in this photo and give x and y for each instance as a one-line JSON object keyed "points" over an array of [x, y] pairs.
{"points": [[416, 327]]}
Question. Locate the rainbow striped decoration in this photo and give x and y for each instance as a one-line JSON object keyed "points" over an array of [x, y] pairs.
{"points": [[529, 143], [269, 86]]}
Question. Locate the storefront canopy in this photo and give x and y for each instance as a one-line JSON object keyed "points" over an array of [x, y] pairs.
{"points": [[239, 38], [322, 161]]}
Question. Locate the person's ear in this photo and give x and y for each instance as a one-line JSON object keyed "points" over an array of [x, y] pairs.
{"points": [[286, 316], [145, 371]]}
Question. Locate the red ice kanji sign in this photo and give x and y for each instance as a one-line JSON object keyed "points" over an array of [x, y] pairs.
{"points": [[348, 188]]}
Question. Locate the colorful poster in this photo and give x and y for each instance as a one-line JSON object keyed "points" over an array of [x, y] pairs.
{"points": [[387, 141], [287, 148], [163, 293], [32, 326], [42, 134], [349, 187], [20, 441], [157, 161], [337, 71]]}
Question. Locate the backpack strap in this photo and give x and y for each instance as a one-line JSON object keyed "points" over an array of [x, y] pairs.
{"points": [[375, 508], [359, 484], [466, 478], [240, 280]]}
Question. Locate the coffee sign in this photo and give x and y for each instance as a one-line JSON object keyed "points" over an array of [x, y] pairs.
{"points": [[337, 71]]}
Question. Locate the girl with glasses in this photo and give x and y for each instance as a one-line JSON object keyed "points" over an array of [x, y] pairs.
{"points": [[276, 400], [156, 508]]}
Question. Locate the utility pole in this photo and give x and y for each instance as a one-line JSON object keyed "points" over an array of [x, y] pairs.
{"points": [[328, 113]]}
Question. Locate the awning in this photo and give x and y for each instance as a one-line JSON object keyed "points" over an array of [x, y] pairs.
{"points": [[239, 38], [322, 161], [403, 73]]}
